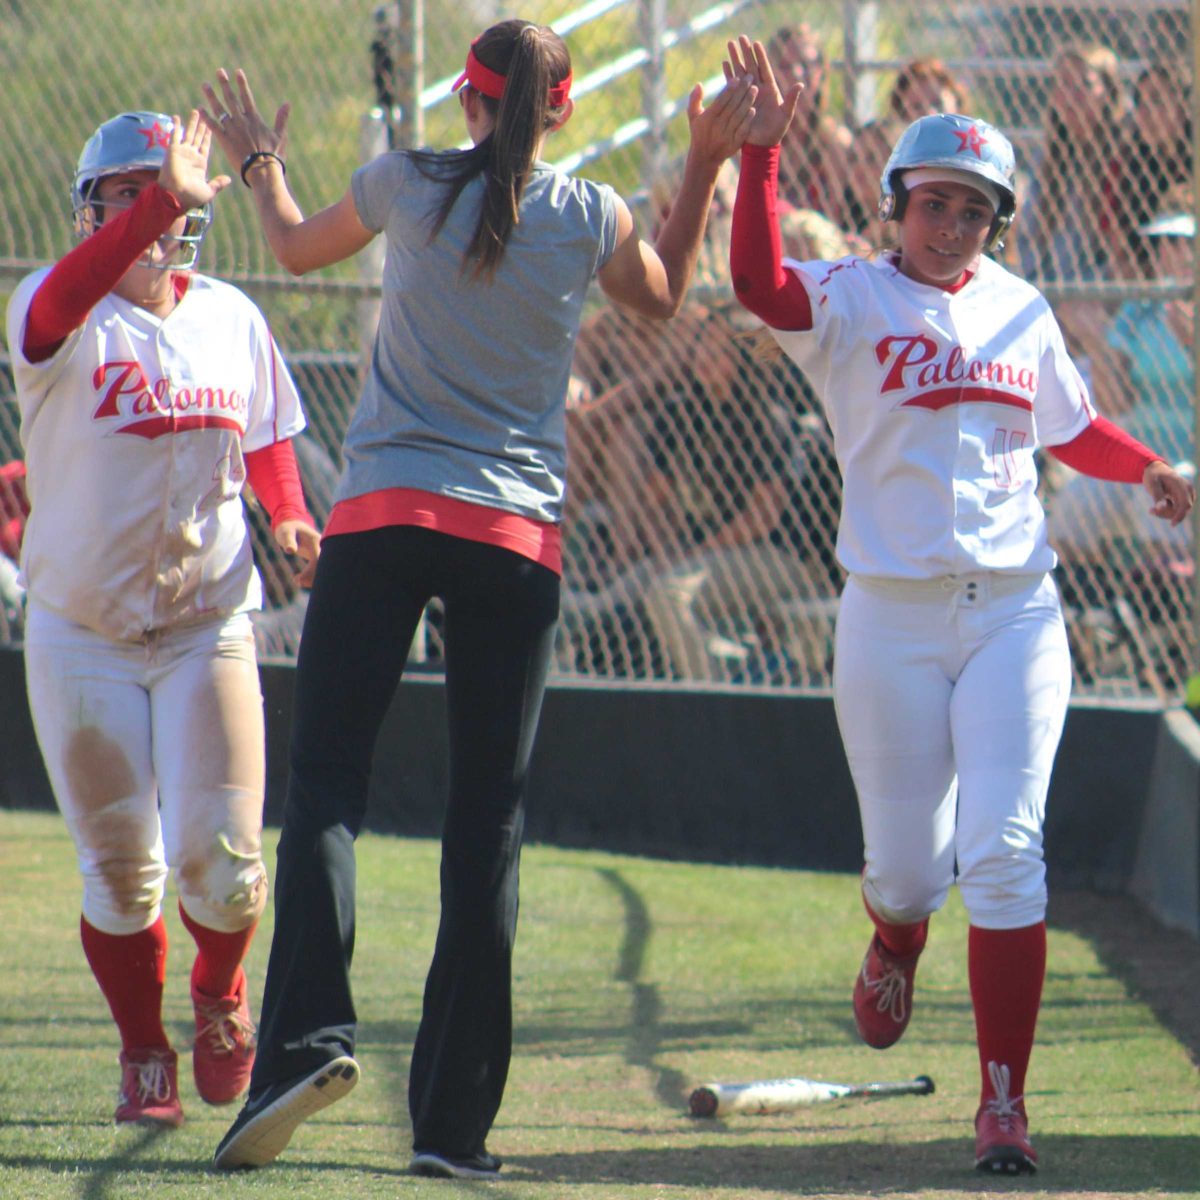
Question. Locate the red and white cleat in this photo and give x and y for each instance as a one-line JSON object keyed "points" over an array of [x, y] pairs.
{"points": [[223, 1052], [149, 1092], [1002, 1144], [883, 995]]}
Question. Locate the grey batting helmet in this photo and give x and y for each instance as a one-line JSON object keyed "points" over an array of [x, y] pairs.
{"points": [[956, 143], [131, 141]]}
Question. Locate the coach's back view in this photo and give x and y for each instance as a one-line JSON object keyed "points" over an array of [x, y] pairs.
{"points": [[453, 488]]}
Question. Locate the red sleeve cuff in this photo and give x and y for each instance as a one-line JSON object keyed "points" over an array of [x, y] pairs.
{"points": [[275, 477], [1105, 451]]}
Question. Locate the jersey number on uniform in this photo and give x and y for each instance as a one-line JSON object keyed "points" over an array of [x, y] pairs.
{"points": [[1005, 445]]}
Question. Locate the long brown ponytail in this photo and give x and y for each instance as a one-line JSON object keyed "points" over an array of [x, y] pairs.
{"points": [[532, 58]]}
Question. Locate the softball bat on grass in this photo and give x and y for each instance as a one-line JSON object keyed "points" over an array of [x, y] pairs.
{"points": [[785, 1095]]}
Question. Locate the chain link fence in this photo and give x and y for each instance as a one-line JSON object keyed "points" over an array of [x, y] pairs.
{"points": [[703, 495]]}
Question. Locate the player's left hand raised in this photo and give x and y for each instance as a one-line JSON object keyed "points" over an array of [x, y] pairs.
{"points": [[773, 108], [296, 537], [184, 172], [718, 131], [1173, 495]]}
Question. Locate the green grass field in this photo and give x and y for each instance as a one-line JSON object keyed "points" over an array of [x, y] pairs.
{"points": [[636, 980]]}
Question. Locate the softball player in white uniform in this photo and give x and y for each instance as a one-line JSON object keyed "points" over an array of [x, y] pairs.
{"points": [[941, 373], [145, 391]]}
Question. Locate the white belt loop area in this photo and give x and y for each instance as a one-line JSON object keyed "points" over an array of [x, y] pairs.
{"points": [[965, 591]]}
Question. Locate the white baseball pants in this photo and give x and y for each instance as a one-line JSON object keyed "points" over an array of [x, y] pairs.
{"points": [[155, 751], [951, 697]]}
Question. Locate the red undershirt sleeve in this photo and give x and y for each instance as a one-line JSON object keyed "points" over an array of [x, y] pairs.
{"points": [[85, 275], [1105, 451], [760, 280], [275, 477]]}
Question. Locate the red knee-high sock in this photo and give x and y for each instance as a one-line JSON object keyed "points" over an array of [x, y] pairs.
{"points": [[218, 955], [130, 969], [1006, 968], [901, 940]]}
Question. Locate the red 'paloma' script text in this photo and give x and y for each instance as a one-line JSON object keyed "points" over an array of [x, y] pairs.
{"points": [[912, 362]]}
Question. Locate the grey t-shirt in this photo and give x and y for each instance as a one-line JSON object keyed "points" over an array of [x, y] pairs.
{"points": [[466, 390]]}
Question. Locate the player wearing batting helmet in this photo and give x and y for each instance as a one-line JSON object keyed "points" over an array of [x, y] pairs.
{"points": [[941, 374], [148, 394]]}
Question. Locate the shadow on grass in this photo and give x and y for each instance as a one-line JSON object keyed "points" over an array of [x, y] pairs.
{"points": [[1124, 1165], [1158, 966]]}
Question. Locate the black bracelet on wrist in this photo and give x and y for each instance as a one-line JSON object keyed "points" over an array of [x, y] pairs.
{"points": [[260, 156]]}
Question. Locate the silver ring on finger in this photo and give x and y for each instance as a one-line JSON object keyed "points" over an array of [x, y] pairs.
{"points": [[223, 118]]}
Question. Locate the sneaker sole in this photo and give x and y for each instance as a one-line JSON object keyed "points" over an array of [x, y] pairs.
{"points": [[1006, 1160], [265, 1134], [442, 1168]]}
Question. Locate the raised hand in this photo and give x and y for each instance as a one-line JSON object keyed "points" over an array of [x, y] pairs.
{"points": [[773, 109], [718, 131], [237, 124], [184, 172]]}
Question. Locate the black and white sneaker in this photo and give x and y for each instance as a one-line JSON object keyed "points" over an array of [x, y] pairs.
{"points": [[478, 1166], [270, 1116]]}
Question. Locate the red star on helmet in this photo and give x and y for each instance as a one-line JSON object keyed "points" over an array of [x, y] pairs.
{"points": [[157, 135], [972, 140]]}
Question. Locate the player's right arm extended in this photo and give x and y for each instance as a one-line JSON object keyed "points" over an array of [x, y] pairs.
{"points": [[85, 275], [760, 280]]}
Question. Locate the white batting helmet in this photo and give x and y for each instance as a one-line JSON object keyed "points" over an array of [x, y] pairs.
{"points": [[131, 141], [958, 143]]}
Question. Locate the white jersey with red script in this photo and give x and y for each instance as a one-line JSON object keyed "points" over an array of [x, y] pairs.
{"points": [[133, 435], [937, 401]]}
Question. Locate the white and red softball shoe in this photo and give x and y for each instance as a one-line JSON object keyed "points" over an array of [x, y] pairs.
{"points": [[223, 1051], [149, 1092]]}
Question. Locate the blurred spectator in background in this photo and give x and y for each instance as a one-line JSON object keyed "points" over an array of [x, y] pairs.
{"points": [[814, 164], [712, 265], [1071, 225], [922, 86], [1156, 156], [689, 467], [808, 234], [14, 508], [1149, 368], [1153, 338], [1168, 38]]}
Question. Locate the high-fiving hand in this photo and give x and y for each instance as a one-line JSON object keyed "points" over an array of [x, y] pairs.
{"points": [[773, 109], [237, 124], [718, 131], [184, 172]]}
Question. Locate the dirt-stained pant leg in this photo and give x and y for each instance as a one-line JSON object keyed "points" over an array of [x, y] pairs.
{"points": [[92, 718], [209, 758]]}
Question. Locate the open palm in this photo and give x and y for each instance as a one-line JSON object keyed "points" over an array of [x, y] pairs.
{"points": [[184, 172], [773, 109]]}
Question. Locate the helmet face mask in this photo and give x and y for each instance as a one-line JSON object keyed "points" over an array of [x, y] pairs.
{"points": [[132, 141], [958, 143]]}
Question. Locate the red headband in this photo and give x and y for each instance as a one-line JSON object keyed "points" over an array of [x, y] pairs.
{"points": [[491, 83]]}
